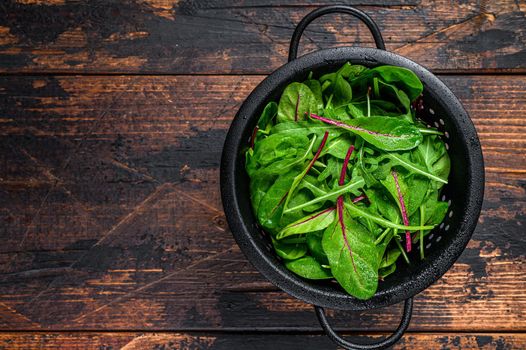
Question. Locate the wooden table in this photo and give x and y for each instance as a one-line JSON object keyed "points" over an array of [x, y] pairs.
{"points": [[112, 119]]}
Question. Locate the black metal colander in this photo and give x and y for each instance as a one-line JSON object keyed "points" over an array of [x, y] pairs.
{"points": [[464, 191]]}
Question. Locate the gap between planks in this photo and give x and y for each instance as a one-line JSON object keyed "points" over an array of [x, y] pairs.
{"points": [[258, 331], [458, 72]]}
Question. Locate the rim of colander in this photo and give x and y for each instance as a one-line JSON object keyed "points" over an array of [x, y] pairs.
{"points": [[243, 231]]}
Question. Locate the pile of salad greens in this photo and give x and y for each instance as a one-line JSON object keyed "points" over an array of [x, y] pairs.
{"points": [[345, 178]]}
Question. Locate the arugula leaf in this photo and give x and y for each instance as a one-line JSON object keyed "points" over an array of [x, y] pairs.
{"points": [[352, 186], [433, 154]]}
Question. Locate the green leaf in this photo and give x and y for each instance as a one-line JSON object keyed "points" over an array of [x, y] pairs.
{"points": [[353, 185], [356, 211], [315, 87], [296, 102], [308, 267], [433, 154], [352, 256], [332, 170], [434, 210], [341, 91], [386, 271], [304, 129], [385, 133], [382, 204], [403, 159], [390, 258], [300, 176], [413, 189], [271, 206], [275, 147], [338, 146], [270, 111], [289, 251], [259, 186], [400, 77], [314, 222], [316, 248]]}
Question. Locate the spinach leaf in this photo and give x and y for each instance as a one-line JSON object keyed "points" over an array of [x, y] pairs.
{"points": [[271, 205], [308, 267], [400, 77], [386, 271], [315, 247], [289, 251], [315, 87], [270, 111]]}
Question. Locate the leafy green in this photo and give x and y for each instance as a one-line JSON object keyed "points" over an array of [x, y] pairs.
{"points": [[386, 133], [308, 267], [352, 256], [290, 251], [339, 167], [297, 102], [311, 223]]}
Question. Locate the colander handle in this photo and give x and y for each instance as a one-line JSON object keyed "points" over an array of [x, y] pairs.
{"points": [[373, 27], [387, 342]]}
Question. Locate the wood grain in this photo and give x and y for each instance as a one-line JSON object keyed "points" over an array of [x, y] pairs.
{"points": [[112, 218], [249, 37], [176, 341]]}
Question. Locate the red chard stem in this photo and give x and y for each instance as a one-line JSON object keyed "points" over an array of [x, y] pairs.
{"points": [[318, 152], [253, 138], [350, 127], [345, 164], [403, 210], [339, 207], [314, 216], [359, 198]]}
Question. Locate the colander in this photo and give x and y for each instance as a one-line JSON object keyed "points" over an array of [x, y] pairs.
{"points": [[444, 244]]}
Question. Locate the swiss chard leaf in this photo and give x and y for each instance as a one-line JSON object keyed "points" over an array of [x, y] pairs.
{"points": [[352, 256], [385, 133], [314, 222], [296, 102], [413, 189]]}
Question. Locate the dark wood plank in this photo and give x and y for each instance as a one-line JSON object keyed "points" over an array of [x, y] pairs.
{"points": [[111, 216], [190, 36], [203, 341]]}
